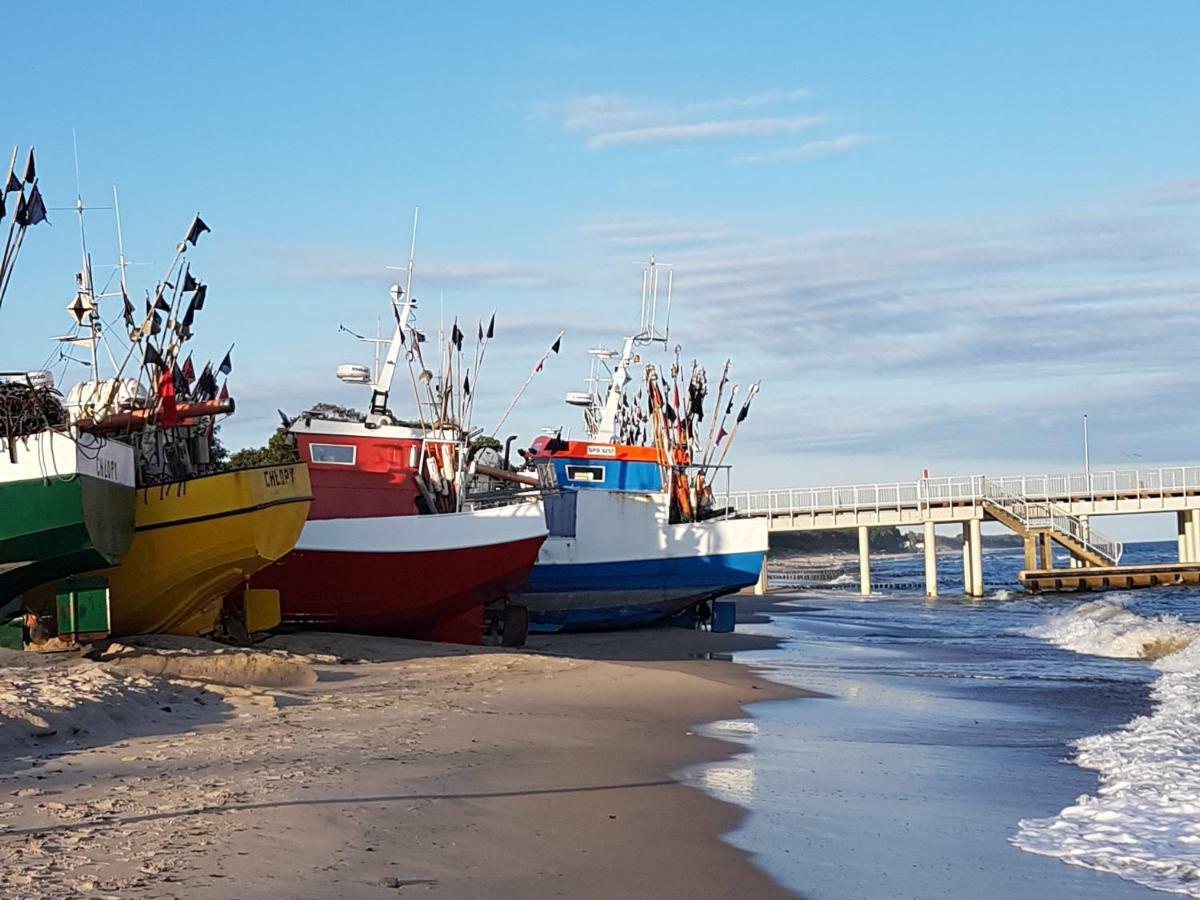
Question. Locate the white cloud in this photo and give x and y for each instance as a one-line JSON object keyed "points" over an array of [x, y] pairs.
{"points": [[715, 129], [612, 120], [653, 233], [838, 146], [1176, 191], [770, 97], [300, 262]]}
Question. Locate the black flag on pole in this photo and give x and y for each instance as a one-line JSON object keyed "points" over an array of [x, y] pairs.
{"points": [[13, 183], [226, 366], [557, 343], [189, 283], [198, 297], [127, 312], [456, 337], [153, 357], [206, 384], [491, 326], [30, 167], [197, 228], [37, 207]]}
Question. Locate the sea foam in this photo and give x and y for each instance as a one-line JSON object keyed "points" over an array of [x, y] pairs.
{"points": [[1143, 824]]}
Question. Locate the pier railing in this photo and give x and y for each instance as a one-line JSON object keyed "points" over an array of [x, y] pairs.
{"points": [[1113, 484]]}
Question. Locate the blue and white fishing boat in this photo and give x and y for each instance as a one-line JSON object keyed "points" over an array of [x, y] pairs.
{"points": [[634, 535]]}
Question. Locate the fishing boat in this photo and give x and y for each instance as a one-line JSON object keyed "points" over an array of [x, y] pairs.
{"points": [[66, 497], [200, 528], [634, 534], [390, 546]]}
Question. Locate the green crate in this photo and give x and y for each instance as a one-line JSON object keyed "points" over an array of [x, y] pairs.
{"points": [[12, 634], [82, 606]]}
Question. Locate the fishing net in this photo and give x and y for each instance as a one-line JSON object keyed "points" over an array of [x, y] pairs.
{"points": [[26, 409]]}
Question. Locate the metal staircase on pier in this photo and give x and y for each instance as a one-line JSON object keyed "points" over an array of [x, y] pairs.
{"points": [[1034, 519]]}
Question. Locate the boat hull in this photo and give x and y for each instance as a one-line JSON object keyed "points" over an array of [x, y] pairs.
{"points": [[626, 565], [197, 540], [66, 506], [631, 593], [426, 577]]}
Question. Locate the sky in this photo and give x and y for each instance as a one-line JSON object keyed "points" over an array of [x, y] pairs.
{"points": [[938, 233]]}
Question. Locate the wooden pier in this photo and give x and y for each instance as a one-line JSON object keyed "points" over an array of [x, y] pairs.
{"points": [[1109, 578]]}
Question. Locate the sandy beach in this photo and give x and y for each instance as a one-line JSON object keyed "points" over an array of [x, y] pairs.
{"points": [[327, 765]]}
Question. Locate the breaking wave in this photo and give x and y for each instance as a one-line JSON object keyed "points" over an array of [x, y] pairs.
{"points": [[1143, 823]]}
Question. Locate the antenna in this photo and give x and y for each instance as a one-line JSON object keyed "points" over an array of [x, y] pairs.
{"points": [[651, 277], [120, 245], [402, 306], [85, 306]]}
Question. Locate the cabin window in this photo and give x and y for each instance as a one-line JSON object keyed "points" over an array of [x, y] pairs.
{"points": [[340, 454], [585, 473]]}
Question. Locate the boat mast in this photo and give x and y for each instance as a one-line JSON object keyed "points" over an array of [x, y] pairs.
{"points": [[648, 334], [85, 299], [403, 306]]}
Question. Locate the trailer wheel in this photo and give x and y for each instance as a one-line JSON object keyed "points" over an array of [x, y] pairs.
{"points": [[516, 626]]}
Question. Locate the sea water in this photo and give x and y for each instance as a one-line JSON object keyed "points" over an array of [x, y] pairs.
{"points": [[970, 747]]}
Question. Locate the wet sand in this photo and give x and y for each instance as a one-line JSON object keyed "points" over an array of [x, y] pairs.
{"points": [[403, 768]]}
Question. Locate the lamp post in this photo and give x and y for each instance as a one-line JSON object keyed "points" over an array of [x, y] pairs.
{"points": [[1087, 462]]}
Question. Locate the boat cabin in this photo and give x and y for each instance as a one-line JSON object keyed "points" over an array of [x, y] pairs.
{"points": [[581, 465]]}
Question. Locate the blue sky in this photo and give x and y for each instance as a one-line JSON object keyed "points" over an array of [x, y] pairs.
{"points": [[938, 233]]}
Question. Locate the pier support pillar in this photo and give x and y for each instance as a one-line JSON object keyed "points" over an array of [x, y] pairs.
{"points": [[1031, 554], [864, 560], [1194, 518], [966, 555], [1189, 536], [976, 558], [1047, 551], [760, 586], [1185, 550], [930, 561]]}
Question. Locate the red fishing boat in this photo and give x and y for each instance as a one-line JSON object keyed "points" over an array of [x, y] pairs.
{"points": [[390, 546]]}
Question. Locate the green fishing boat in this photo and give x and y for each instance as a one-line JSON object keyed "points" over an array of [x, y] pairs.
{"points": [[66, 496], [66, 507]]}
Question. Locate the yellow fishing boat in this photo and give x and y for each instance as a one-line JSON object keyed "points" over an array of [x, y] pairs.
{"points": [[198, 540], [201, 529]]}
